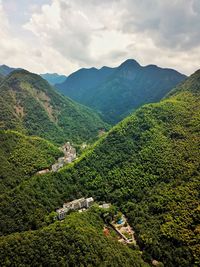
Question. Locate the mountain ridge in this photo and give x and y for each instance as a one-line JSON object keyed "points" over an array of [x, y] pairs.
{"points": [[29, 104], [147, 165], [120, 90], [5, 70], [54, 78]]}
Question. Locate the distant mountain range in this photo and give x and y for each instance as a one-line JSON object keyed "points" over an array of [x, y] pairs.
{"points": [[53, 78], [113, 92], [116, 92], [30, 105]]}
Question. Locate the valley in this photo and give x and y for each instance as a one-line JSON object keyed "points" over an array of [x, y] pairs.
{"points": [[147, 166], [99, 133]]}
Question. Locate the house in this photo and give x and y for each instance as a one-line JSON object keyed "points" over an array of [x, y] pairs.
{"points": [[105, 206], [77, 204], [55, 167], [43, 171], [89, 202], [62, 213]]}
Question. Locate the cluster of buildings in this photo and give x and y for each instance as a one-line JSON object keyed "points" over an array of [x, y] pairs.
{"points": [[69, 156], [77, 204]]}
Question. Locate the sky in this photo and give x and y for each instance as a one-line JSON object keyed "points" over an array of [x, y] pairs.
{"points": [[65, 35]]}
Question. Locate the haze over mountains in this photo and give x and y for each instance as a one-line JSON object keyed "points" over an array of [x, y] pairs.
{"points": [[116, 92], [53, 78]]}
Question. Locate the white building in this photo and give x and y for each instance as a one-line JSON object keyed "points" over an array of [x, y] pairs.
{"points": [[77, 204]]}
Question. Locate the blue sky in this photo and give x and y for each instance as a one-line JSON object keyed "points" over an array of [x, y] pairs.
{"points": [[64, 35]]}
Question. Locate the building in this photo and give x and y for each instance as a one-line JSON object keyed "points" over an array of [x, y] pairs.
{"points": [[105, 206], [43, 171], [55, 167], [89, 202], [77, 204], [62, 213], [69, 156]]}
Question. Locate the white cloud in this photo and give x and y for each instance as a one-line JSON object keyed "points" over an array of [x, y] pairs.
{"points": [[28, 52], [64, 35]]}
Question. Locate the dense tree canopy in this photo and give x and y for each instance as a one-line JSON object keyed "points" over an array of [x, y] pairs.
{"points": [[78, 241], [22, 156], [148, 165], [30, 105]]}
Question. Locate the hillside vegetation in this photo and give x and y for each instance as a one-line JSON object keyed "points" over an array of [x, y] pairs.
{"points": [[148, 165], [116, 92], [22, 156], [1, 78], [78, 241], [30, 105], [5, 70]]}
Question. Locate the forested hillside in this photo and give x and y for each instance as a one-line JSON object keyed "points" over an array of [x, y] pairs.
{"points": [[22, 156], [78, 241], [1, 78], [5, 70], [116, 92], [148, 165], [30, 105]]}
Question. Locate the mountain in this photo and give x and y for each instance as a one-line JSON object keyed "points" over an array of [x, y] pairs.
{"points": [[80, 84], [53, 78], [116, 92], [1, 78], [77, 241], [30, 105], [147, 165], [22, 156], [5, 70]]}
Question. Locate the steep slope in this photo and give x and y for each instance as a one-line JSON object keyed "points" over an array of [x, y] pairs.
{"points": [[30, 105], [22, 156], [122, 90], [1, 78], [5, 70], [78, 241], [81, 84], [53, 78], [148, 165]]}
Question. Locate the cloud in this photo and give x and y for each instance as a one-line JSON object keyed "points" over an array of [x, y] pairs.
{"points": [[64, 35], [28, 52], [173, 24]]}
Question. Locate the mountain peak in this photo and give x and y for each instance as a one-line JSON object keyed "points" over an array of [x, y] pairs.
{"points": [[130, 63], [5, 70], [152, 66]]}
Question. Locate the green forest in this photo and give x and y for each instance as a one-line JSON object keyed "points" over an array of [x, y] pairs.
{"points": [[116, 92], [147, 165], [76, 241], [30, 105], [22, 156]]}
